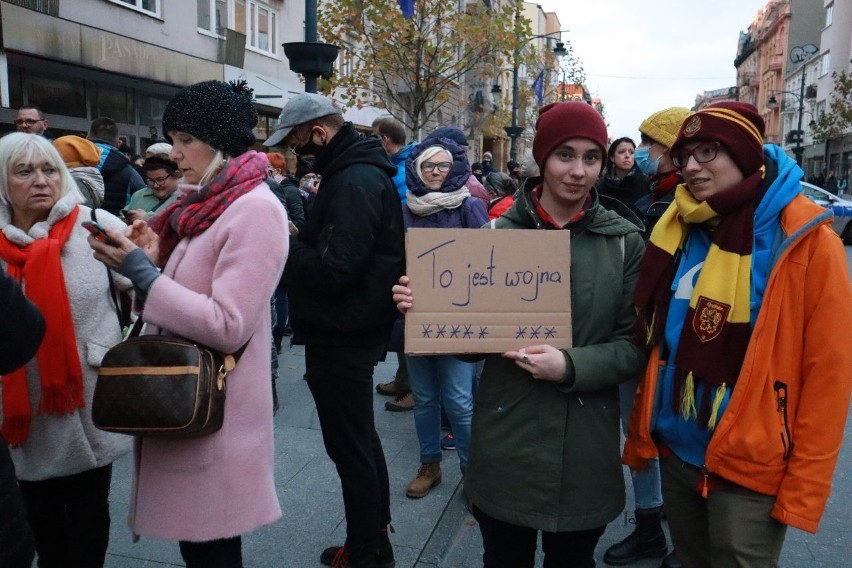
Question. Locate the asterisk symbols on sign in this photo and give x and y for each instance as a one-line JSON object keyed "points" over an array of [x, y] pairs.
{"points": [[549, 332], [442, 331], [521, 333], [454, 332], [534, 332], [427, 330], [467, 332], [483, 331]]}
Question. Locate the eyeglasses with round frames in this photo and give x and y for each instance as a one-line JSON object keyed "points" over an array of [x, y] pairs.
{"points": [[442, 167], [156, 181], [703, 153]]}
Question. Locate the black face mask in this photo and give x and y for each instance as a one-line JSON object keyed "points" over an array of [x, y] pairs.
{"points": [[309, 149], [478, 176]]}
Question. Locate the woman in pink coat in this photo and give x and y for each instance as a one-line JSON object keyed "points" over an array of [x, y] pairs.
{"points": [[222, 247]]}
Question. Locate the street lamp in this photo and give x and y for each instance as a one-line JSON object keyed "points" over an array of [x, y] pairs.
{"points": [[515, 131], [772, 101]]}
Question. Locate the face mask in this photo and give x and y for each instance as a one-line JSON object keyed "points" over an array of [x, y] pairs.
{"points": [[642, 157], [478, 176], [309, 149]]}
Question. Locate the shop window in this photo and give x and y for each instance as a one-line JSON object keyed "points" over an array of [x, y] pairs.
{"points": [[151, 7], [115, 103], [151, 112], [55, 96]]}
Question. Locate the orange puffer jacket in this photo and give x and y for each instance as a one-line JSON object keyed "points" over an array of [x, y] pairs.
{"points": [[782, 430]]}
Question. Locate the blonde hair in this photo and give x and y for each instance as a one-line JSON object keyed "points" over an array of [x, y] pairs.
{"points": [[215, 166], [23, 146], [428, 153]]}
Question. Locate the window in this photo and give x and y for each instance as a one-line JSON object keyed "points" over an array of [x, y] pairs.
{"points": [[825, 63], [261, 27], [213, 16], [151, 7], [829, 14], [254, 19]]}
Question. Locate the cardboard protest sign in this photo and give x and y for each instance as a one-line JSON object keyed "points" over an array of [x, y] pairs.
{"points": [[487, 291]]}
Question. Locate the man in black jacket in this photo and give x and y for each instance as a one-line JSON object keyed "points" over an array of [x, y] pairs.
{"points": [[121, 180], [341, 268], [21, 332]]}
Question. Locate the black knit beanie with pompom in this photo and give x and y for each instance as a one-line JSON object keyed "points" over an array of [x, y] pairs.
{"points": [[220, 114]]}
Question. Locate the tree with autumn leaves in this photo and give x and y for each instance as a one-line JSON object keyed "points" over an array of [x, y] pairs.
{"points": [[837, 120], [414, 67]]}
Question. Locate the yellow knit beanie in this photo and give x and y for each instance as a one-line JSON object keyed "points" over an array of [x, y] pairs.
{"points": [[664, 125]]}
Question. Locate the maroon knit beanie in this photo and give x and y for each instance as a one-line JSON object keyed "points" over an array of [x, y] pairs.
{"points": [[558, 122], [737, 126]]}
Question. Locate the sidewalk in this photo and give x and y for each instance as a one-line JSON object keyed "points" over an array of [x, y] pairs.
{"points": [[435, 531]]}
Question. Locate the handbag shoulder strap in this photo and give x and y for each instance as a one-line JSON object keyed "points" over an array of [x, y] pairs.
{"points": [[137, 328], [123, 317]]}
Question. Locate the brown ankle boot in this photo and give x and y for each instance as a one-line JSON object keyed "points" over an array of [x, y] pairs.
{"points": [[428, 476]]}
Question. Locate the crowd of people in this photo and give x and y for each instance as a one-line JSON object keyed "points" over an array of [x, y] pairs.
{"points": [[708, 302]]}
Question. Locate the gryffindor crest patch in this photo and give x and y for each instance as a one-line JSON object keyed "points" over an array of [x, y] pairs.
{"points": [[709, 318]]}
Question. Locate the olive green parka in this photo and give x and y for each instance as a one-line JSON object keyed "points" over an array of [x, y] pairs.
{"points": [[546, 455]]}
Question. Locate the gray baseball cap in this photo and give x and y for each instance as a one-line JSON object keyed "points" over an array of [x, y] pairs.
{"points": [[302, 108]]}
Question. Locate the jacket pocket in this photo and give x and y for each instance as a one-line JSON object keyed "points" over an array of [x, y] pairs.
{"points": [[781, 408]]}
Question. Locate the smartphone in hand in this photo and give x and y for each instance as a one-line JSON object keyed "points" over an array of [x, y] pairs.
{"points": [[98, 232]]}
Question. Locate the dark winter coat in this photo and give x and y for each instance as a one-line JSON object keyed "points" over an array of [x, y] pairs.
{"points": [[471, 214], [628, 189], [121, 180], [351, 252], [288, 194], [21, 332], [546, 455]]}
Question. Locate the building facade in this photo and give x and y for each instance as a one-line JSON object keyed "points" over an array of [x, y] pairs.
{"points": [[82, 59]]}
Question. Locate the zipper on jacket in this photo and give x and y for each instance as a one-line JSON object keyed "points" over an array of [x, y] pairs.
{"points": [[781, 408], [705, 482], [327, 241]]}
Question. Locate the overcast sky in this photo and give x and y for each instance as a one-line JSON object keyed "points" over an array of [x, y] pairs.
{"points": [[646, 55]]}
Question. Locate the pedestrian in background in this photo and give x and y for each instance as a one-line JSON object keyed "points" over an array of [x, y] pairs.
{"points": [[121, 180], [82, 157], [205, 269], [63, 462], [652, 156], [392, 134], [30, 119], [340, 269], [162, 176], [743, 299], [648, 540], [622, 179], [544, 449], [436, 173]]}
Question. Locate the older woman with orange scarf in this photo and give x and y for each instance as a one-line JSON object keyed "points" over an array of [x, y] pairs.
{"points": [[63, 462]]}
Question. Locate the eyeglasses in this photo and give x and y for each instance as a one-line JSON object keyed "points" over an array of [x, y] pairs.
{"points": [[27, 121], [157, 181], [702, 153], [442, 167]]}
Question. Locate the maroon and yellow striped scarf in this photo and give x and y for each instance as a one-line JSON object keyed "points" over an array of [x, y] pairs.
{"points": [[717, 328]]}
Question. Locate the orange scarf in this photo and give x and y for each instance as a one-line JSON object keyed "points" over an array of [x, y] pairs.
{"points": [[39, 268]]}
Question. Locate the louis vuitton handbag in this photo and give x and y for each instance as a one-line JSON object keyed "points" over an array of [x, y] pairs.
{"points": [[161, 386]]}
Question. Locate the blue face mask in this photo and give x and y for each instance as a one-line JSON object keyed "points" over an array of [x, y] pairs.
{"points": [[642, 157]]}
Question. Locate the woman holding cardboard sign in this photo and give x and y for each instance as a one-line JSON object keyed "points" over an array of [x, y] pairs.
{"points": [[544, 450], [436, 173]]}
